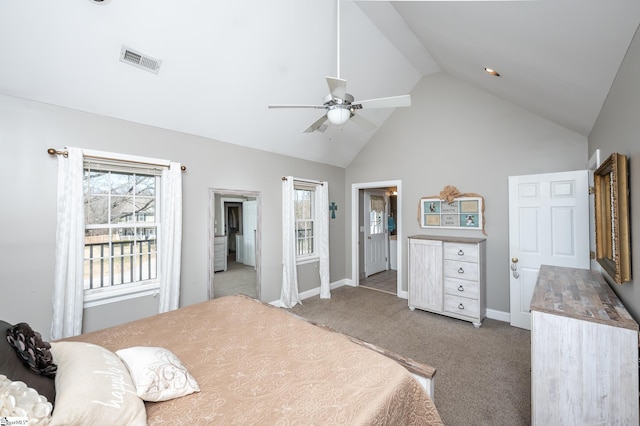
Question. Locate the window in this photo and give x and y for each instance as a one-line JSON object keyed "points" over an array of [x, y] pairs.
{"points": [[305, 244], [376, 225], [121, 205]]}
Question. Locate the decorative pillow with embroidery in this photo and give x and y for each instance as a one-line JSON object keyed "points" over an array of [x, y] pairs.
{"points": [[93, 387], [158, 374]]}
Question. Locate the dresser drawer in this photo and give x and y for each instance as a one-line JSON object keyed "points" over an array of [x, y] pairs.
{"points": [[464, 288], [461, 251], [461, 270], [461, 306]]}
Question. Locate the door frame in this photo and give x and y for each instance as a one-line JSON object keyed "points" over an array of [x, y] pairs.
{"points": [[211, 233], [592, 165], [355, 214]]}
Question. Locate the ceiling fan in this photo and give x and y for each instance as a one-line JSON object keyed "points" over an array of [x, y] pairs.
{"points": [[341, 106]]}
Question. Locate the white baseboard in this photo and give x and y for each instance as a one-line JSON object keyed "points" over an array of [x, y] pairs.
{"points": [[491, 313], [498, 315], [316, 291]]}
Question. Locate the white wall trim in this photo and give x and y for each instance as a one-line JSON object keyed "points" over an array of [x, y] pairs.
{"points": [[316, 291], [498, 315], [491, 313]]}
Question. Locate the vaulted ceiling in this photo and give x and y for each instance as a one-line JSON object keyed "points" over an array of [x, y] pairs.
{"points": [[224, 62]]}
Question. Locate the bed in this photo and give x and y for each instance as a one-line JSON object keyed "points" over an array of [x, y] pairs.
{"points": [[247, 363]]}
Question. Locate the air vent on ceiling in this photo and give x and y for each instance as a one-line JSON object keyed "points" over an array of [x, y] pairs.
{"points": [[139, 60]]}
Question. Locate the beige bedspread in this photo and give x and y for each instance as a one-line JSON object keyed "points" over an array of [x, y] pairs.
{"points": [[256, 364]]}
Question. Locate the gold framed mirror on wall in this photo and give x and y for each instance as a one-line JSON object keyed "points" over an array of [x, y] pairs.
{"points": [[613, 251]]}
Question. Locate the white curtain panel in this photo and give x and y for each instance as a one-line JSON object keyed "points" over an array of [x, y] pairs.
{"points": [[322, 237], [170, 238], [68, 282], [289, 296]]}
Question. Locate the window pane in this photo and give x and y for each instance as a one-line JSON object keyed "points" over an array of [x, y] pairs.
{"points": [[121, 209], [122, 184], [303, 204], [377, 213], [96, 182], [97, 258], [96, 209], [145, 209], [145, 185]]}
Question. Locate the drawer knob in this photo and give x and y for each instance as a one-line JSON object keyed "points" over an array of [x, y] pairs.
{"points": [[460, 288], [460, 270], [460, 252], [461, 306]]}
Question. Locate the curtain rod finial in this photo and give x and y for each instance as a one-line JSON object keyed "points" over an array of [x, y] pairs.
{"points": [[53, 151]]}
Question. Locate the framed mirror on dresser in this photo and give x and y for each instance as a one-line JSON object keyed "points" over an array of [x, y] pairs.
{"points": [[613, 250]]}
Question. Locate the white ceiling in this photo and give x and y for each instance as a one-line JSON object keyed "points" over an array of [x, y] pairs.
{"points": [[224, 61]]}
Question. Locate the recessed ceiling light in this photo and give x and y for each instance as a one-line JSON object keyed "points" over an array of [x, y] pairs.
{"points": [[492, 72]]}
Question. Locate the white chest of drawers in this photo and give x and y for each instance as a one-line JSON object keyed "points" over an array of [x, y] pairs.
{"points": [[220, 253], [447, 276]]}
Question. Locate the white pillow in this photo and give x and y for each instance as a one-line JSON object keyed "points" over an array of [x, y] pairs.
{"points": [[93, 387], [18, 400], [157, 373]]}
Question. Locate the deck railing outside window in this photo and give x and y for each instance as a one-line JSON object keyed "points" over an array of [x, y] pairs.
{"points": [[120, 262]]}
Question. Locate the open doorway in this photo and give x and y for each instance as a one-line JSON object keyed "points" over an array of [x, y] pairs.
{"points": [[234, 243], [376, 233]]}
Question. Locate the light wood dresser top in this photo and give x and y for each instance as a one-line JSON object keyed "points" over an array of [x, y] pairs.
{"points": [[581, 294], [468, 240]]}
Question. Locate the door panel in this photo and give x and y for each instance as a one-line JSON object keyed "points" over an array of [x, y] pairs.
{"points": [[249, 219], [548, 224], [376, 203]]}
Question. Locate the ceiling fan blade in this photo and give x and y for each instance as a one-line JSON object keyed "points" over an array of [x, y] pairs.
{"points": [[390, 102], [316, 124], [337, 87], [363, 122], [298, 106]]}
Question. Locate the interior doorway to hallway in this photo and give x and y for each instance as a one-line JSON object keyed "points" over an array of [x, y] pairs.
{"points": [[234, 243], [365, 225]]}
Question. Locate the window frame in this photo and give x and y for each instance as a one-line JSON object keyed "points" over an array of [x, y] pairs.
{"points": [[313, 255], [128, 164]]}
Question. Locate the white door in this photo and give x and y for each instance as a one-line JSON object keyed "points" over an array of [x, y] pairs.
{"points": [[375, 231], [548, 225], [249, 225]]}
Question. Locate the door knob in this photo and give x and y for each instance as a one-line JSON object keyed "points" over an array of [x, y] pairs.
{"points": [[514, 260]]}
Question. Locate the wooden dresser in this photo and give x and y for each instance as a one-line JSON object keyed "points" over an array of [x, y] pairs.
{"points": [[447, 276], [584, 351]]}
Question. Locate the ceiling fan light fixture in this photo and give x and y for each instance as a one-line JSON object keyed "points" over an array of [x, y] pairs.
{"points": [[338, 115]]}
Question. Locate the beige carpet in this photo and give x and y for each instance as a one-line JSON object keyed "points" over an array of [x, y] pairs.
{"points": [[237, 279], [483, 374]]}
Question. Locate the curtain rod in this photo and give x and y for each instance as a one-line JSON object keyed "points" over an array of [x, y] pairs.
{"points": [[52, 151], [315, 182]]}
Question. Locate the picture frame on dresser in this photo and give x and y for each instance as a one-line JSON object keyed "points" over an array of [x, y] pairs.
{"points": [[461, 213], [611, 198]]}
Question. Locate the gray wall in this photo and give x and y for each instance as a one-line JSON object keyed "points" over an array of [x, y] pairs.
{"points": [[617, 129], [28, 197], [453, 134], [457, 135]]}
